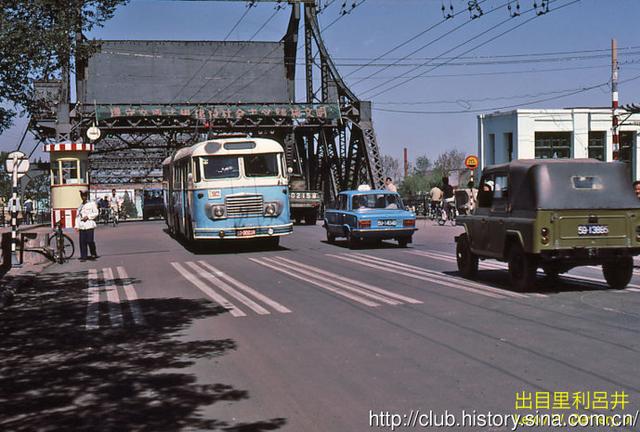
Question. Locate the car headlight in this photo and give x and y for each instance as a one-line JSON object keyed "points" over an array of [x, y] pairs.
{"points": [[218, 211], [272, 209]]}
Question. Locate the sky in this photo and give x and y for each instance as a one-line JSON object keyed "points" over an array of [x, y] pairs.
{"points": [[554, 60]]}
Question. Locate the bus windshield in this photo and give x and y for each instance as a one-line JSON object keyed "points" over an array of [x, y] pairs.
{"points": [[217, 167], [261, 165]]}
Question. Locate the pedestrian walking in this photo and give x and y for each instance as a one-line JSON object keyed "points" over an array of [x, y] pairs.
{"points": [[85, 223], [28, 211]]}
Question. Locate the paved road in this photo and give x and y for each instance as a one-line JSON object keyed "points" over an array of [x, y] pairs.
{"points": [[310, 337]]}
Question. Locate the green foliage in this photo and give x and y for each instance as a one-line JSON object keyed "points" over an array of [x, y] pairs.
{"points": [[35, 37], [425, 174], [129, 207], [38, 189]]}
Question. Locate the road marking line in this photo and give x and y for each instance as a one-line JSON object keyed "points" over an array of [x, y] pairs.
{"points": [[415, 276], [208, 291], [131, 296], [344, 285], [274, 304], [354, 282], [275, 266], [204, 274], [115, 312], [93, 297], [452, 258], [504, 266], [439, 275]]}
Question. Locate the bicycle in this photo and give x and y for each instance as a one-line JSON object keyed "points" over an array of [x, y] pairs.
{"points": [[448, 213], [435, 209], [60, 247]]}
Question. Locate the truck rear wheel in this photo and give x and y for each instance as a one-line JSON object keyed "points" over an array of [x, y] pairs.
{"points": [[618, 273], [522, 268], [467, 260]]}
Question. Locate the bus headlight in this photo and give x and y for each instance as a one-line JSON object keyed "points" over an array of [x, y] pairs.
{"points": [[218, 211], [272, 209]]}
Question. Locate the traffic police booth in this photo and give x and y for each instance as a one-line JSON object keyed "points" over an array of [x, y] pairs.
{"points": [[69, 176]]}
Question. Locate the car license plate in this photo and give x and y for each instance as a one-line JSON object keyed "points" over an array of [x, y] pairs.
{"points": [[593, 230], [246, 233], [387, 222]]}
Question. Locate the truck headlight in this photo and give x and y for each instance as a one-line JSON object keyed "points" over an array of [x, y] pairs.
{"points": [[218, 211], [272, 209]]}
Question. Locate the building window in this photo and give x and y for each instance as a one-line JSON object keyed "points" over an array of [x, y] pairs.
{"points": [[553, 145], [596, 144], [626, 145], [490, 157], [508, 141]]}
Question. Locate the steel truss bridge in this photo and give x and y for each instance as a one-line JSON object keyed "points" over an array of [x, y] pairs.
{"points": [[328, 136]]}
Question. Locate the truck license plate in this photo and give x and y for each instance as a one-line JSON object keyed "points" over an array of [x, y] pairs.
{"points": [[387, 222], [246, 233], [593, 230]]}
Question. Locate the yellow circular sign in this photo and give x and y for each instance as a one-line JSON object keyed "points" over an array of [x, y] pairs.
{"points": [[471, 162]]}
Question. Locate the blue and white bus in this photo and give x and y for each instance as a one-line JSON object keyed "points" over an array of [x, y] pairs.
{"points": [[228, 188]]}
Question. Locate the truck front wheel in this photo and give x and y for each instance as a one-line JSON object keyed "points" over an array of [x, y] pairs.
{"points": [[618, 273]]}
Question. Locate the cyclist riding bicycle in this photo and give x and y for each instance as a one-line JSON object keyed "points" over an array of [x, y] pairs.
{"points": [[449, 200], [435, 197], [115, 204]]}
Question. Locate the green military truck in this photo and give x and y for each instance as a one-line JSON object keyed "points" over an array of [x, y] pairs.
{"points": [[305, 204], [554, 215]]}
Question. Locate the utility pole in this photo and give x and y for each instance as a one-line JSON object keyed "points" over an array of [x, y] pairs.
{"points": [[614, 100], [406, 163]]}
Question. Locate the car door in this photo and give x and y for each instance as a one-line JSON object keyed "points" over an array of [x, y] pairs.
{"points": [[499, 214], [480, 219]]}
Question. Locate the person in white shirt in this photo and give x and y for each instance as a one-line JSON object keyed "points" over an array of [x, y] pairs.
{"points": [[86, 223]]}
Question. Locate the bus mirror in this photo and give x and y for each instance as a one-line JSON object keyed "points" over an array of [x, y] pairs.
{"points": [[190, 177]]}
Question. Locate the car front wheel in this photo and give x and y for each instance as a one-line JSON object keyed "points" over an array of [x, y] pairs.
{"points": [[330, 237], [522, 268], [404, 241], [352, 241], [467, 260], [618, 273]]}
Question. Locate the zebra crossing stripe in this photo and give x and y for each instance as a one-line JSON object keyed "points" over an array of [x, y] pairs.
{"points": [[314, 280], [93, 305], [115, 311], [223, 302], [131, 295], [266, 300]]}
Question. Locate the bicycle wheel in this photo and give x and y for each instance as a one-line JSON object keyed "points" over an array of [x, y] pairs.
{"points": [[68, 247]]}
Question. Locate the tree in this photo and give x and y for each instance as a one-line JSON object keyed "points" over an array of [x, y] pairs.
{"points": [[128, 207], [414, 185], [391, 167], [423, 165], [36, 36], [448, 161]]}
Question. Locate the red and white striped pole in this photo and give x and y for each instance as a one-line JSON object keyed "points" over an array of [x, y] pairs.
{"points": [[614, 100]]}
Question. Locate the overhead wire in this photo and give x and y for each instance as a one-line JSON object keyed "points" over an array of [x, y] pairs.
{"points": [[233, 28], [406, 42], [467, 51], [205, 83], [569, 93], [431, 42]]}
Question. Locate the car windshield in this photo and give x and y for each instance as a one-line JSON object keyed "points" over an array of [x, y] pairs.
{"points": [[377, 201], [261, 165], [218, 167]]}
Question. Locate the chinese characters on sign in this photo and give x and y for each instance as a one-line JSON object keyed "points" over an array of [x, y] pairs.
{"points": [[578, 400], [230, 112]]}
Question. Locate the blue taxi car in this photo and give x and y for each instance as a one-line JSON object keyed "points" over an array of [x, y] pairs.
{"points": [[369, 214]]}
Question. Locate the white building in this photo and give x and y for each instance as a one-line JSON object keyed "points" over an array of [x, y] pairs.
{"points": [[557, 133]]}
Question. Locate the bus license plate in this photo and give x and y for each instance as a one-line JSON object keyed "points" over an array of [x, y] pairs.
{"points": [[386, 222], [246, 233], [587, 230]]}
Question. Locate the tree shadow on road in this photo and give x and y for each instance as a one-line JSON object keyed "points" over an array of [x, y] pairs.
{"points": [[57, 375]]}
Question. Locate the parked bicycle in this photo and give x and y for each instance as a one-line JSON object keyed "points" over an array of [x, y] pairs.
{"points": [[60, 246]]}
